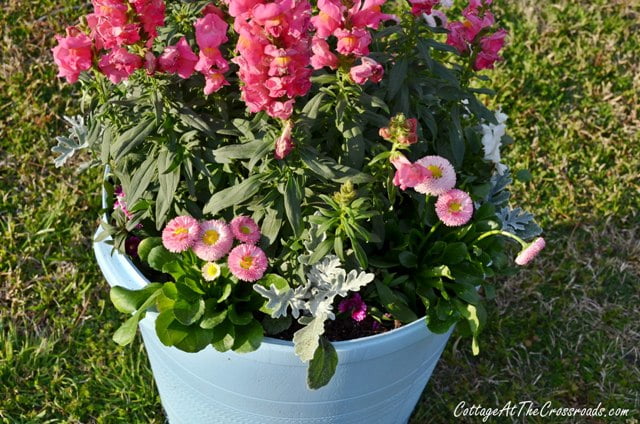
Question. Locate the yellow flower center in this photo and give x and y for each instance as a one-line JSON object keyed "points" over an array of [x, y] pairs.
{"points": [[210, 51], [210, 237], [455, 207], [246, 261], [180, 231], [212, 271], [282, 61], [436, 172], [245, 230], [350, 41]]}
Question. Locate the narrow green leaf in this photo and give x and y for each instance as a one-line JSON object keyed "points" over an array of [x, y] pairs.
{"points": [[232, 195], [130, 139], [292, 199]]}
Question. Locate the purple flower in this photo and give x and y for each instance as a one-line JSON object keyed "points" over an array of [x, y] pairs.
{"points": [[131, 246], [356, 306]]}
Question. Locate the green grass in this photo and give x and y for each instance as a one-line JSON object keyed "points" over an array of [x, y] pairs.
{"points": [[565, 329]]}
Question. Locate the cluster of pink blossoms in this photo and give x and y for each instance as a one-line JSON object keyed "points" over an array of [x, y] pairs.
{"points": [[348, 21], [401, 130], [114, 25], [117, 24], [355, 306], [435, 176], [274, 53], [213, 240], [472, 35]]}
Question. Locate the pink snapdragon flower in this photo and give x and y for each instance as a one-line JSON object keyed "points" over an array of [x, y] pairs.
{"points": [[214, 240], [355, 305], [274, 46], [121, 203], [284, 143], [322, 55], [180, 233], [119, 64], [247, 262], [73, 54], [113, 10], [151, 14], [349, 23], [368, 70], [442, 179], [108, 34], [418, 7], [408, 175], [454, 208], [531, 251], [472, 35], [245, 229], [211, 32], [178, 59]]}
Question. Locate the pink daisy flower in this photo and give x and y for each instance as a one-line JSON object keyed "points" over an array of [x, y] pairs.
{"points": [[443, 176], [454, 208], [215, 240], [245, 229], [356, 306], [531, 251], [180, 233], [247, 262]]}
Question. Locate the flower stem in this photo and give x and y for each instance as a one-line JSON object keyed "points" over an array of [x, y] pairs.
{"points": [[503, 233]]}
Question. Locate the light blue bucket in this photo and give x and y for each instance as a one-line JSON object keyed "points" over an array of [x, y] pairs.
{"points": [[379, 379]]}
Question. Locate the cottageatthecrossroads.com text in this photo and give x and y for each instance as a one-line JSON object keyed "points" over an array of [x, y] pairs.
{"points": [[528, 408]]}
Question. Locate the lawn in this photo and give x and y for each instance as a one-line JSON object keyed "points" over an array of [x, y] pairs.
{"points": [[565, 330]]}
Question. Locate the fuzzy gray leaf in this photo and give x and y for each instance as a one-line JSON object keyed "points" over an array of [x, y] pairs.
{"points": [[307, 339], [278, 301], [75, 141], [519, 222]]}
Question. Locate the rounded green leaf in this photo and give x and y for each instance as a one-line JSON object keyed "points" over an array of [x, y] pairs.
{"points": [[248, 337]]}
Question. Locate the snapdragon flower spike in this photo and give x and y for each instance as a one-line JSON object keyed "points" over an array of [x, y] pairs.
{"points": [[151, 14], [274, 46], [349, 23], [73, 54], [211, 32], [284, 143], [531, 251], [247, 262], [180, 233], [454, 208], [473, 35]]}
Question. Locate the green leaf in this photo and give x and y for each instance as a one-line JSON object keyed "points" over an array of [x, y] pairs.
{"points": [[239, 317], [273, 326], [248, 337], [323, 365], [233, 195], [271, 225], [397, 77], [454, 253], [439, 271], [212, 316], [354, 142], [140, 180], [310, 110], [170, 331], [227, 153], [146, 245], [223, 336], [197, 339], [168, 186], [321, 251], [159, 256], [395, 305], [129, 301], [292, 200], [129, 139], [408, 259], [127, 331], [188, 312]]}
